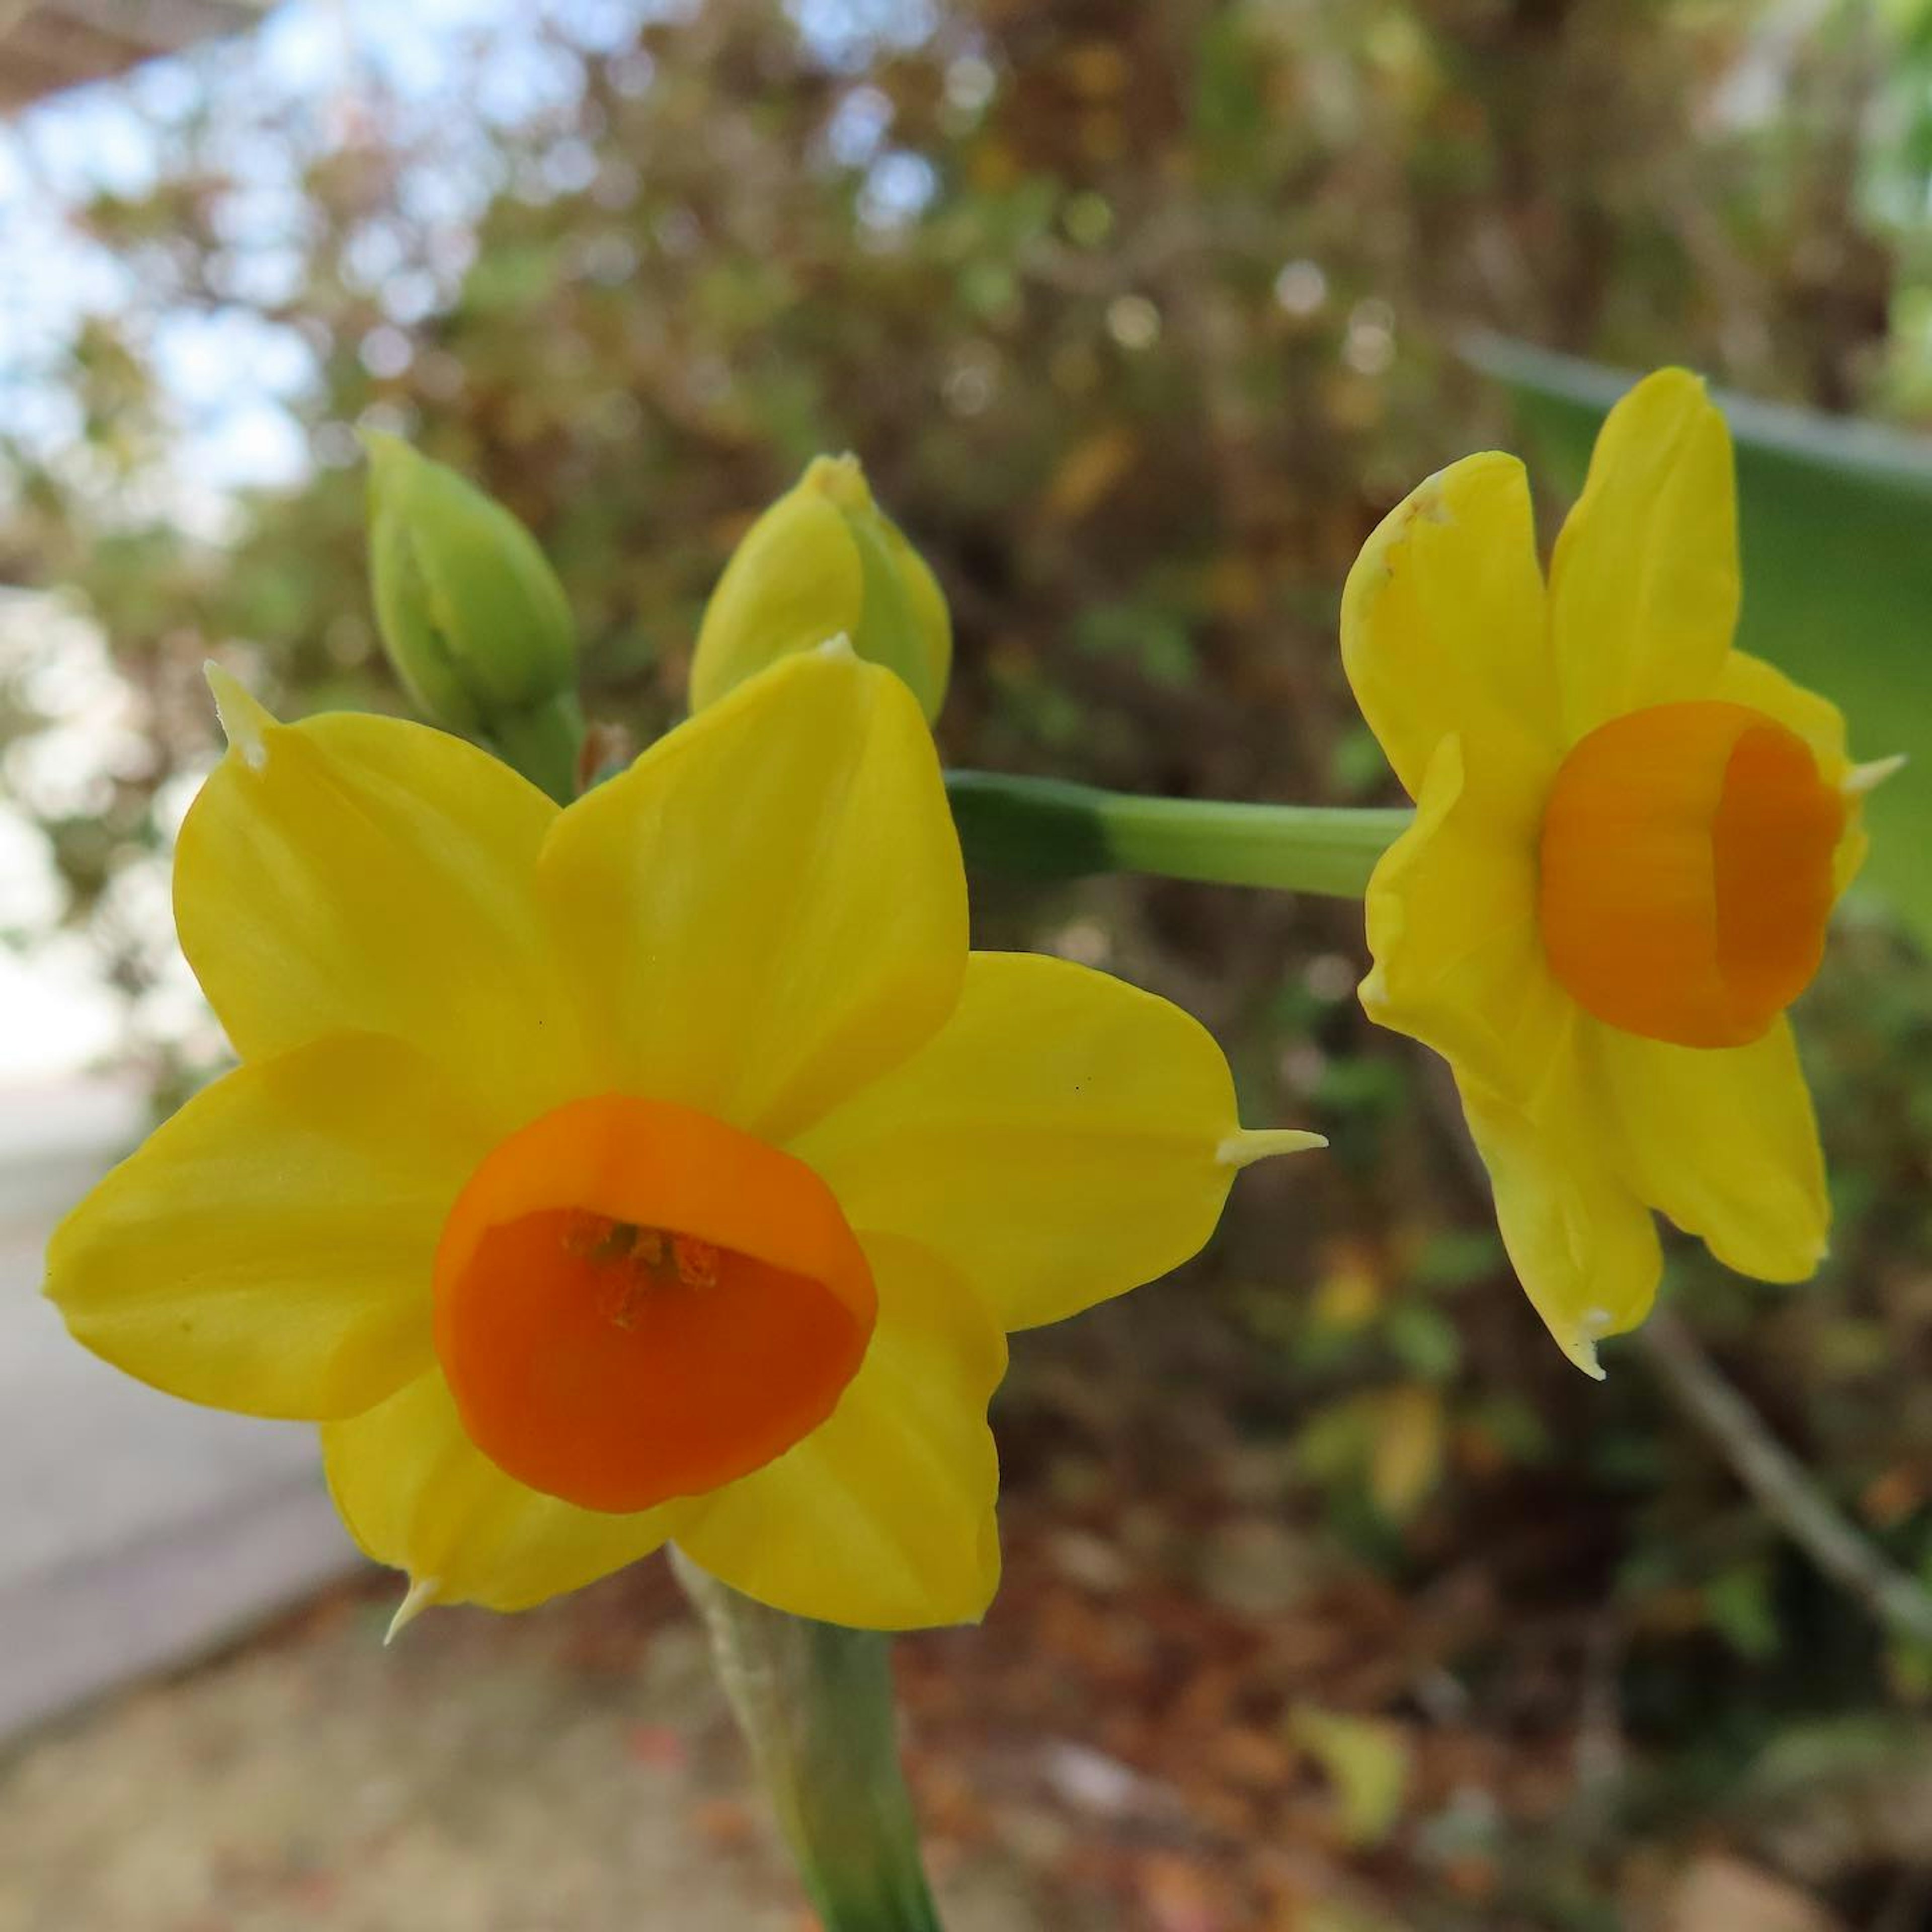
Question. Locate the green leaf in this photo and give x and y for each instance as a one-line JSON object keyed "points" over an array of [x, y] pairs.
{"points": [[1835, 519]]}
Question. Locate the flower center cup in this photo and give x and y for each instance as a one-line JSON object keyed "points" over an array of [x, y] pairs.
{"points": [[1686, 862], [635, 1302]]}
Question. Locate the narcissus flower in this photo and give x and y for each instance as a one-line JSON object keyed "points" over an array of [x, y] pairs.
{"points": [[1628, 840], [661, 1167]]}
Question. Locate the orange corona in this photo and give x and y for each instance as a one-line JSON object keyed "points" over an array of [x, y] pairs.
{"points": [[1686, 872], [635, 1302]]}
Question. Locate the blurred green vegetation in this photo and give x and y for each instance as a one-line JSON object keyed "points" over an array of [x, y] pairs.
{"points": [[1140, 317]]}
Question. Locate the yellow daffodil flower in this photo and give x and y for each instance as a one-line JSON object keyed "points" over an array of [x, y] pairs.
{"points": [[1628, 837], [664, 1166]]}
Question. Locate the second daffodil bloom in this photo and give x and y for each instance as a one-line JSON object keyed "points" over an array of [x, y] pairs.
{"points": [[1628, 837], [661, 1167]]}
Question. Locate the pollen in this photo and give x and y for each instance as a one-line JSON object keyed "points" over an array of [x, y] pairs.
{"points": [[1686, 872]]}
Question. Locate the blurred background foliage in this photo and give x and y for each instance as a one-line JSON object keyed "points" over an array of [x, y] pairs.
{"points": [[1140, 316]]}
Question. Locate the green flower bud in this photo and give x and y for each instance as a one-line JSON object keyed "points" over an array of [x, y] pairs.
{"points": [[823, 560], [472, 615]]}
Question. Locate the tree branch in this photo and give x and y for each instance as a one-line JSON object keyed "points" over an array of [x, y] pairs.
{"points": [[1783, 1489]]}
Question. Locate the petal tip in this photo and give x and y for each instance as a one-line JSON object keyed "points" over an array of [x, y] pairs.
{"points": [[420, 1595], [1246, 1145], [1673, 376], [1584, 1354], [244, 721], [838, 648], [1581, 1347], [1867, 778]]}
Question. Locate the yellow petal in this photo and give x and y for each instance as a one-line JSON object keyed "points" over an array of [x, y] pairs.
{"points": [[1723, 1141], [1058, 1141], [1584, 1246], [1443, 630], [1744, 679], [882, 1518], [1452, 926], [417, 1494], [1854, 848], [1644, 585], [1748, 680], [352, 874], [269, 1249], [767, 910]]}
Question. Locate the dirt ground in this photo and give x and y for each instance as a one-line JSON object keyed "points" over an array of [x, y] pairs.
{"points": [[574, 1770]]}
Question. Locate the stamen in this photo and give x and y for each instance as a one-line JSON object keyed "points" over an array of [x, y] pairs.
{"points": [[584, 1232], [624, 1294], [697, 1261], [633, 1262]]}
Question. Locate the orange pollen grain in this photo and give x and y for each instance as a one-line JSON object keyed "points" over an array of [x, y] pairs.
{"points": [[635, 1302], [1686, 872]]}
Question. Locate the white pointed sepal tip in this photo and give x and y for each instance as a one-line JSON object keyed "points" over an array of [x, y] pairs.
{"points": [[1583, 1353], [838, 647], [420, 1594], [1867, 778], [1581, 1347], [1246, 1145], [245, 722]]}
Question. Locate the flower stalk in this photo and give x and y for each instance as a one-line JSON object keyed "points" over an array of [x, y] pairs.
{"points": [[814, 1701], [1048, 828]]}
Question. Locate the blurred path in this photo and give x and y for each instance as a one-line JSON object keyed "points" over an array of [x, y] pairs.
{"points": [[574, 1766], [135, 1530]]}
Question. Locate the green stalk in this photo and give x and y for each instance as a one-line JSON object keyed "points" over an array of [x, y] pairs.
{"points": [[815, 1703], [1047, 829]]}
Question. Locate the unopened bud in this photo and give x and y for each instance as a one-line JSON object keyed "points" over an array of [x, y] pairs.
{"points": [[471, 614], [823, 561]]}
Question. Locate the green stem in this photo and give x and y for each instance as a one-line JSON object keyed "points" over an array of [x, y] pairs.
{"points": [[815, 1702], [1047, 829]]}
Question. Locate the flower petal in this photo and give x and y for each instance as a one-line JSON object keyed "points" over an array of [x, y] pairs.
{"points": [[1058, 1141], [1584, 1246], [1744, 679], [1644, 585], [1452, 925], [882, 1518], [768, 910], [269, 1250], [1443, 629], [1748, 680], [352, 874], [419, 1495], [1724, 1142]]}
